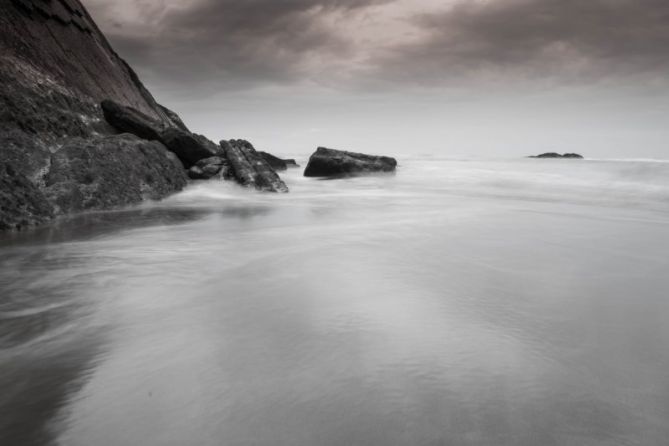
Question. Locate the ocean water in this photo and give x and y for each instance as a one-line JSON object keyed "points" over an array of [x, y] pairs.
{"points": [[458, 302]]}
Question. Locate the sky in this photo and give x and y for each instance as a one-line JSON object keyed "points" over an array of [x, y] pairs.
{"points": [[454, 78]]}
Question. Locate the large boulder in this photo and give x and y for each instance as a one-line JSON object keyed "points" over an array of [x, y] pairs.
{"points": [[129, 120], [111, 171], [274, 161], [337, 163], [22, 203], [189, 147], [553, 155], [208, 168], [250, 169]]}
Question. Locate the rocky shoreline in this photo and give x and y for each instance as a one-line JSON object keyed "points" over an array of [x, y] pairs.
{"points": [[80, 132]]}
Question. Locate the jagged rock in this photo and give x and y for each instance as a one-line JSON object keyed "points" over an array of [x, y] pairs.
{"points": [[25, 153], [128, 120], [291, 163], [56, 68], [250, 169], [337, 163], [208, 168], [52, 55], [188, 147], [111, 171], [557, 155], [22, 204], [176, 120], [274, 161]]}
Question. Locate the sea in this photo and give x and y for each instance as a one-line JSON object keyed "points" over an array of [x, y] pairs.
{"points": [[519, 302]]}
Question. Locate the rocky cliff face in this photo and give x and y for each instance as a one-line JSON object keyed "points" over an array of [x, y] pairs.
{"points": [[52, 49], [56, 67], [79, 131]]}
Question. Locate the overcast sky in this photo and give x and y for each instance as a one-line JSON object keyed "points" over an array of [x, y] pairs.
{"points": [[500, 78]]}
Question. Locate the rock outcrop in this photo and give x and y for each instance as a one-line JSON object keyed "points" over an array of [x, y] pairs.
{"points": [[250, 169], [22, 204], [208, 168], [274, 161], [337, 163], [111, 171], [129, 120], [57, 151], [291, 163], [553, 155], [188, 147], [78, 129]]}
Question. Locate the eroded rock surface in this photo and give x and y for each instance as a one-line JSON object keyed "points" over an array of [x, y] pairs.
{"points": [[250, 169], [22, 204], [111, 171], [208, 168], [274, 161], [337, 163], [56, 68]]}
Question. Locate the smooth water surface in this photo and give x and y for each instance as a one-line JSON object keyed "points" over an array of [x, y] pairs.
{"points": [[455, 303]]}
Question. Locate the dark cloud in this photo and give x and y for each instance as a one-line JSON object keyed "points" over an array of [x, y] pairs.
{"points": [[230, 44], [524, 40]]}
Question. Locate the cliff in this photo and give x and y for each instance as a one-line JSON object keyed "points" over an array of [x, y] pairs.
{"points": [[78, 129], [56, 67]]}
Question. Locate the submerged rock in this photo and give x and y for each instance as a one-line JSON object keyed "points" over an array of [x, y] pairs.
{"points": [[250, 169], [337, 163], [22, 204], [557, 155], [111, 171], [208, 168]]}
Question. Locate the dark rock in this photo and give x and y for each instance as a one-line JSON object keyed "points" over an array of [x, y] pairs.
{"points": [[25, 153], [291, 163], [111, 171], [550, 155], [128, 120], [337, 163], [176, 120], [209, 168], [276, 162], [250, 169], [56, 68], [22, 204], [188, 147]]}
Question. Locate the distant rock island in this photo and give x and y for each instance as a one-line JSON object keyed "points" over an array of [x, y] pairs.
{"points": [[557, 155]]}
